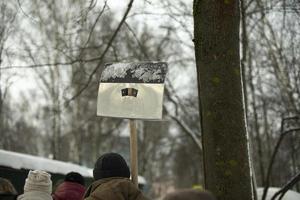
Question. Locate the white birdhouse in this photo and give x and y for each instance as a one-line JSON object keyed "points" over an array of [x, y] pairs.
{"points": [[132, 90]]}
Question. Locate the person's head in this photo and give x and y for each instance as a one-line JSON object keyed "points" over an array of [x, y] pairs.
{"points": [[57, 184], [111, 165], [38, 180], [75, 178], [189, 194], [7, 187]]}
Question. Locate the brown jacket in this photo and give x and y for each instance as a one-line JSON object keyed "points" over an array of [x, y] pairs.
{"points": [[113, 189]]}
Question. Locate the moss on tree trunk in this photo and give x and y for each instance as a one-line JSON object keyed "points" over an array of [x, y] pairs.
{"points": [[226, 160]]}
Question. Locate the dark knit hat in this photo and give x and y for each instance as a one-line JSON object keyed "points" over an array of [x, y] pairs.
{"points": [[111, 165], [74, 177]]}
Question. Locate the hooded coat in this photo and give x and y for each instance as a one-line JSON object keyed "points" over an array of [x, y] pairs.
{"points": [[38, 186], [69, 191], [35, 195], [115, 188]]}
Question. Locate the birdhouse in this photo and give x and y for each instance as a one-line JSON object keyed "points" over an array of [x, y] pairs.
{"points": [[132, 90]]}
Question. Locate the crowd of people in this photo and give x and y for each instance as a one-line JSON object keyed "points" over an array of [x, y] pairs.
{"points": [[111, 182]]}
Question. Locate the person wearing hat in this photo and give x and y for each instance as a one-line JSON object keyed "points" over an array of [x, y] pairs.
{"points": [[112, 182], [71, 189], [7, 190], [38, 186]]}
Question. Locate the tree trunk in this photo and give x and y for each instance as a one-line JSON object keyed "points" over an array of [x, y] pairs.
{"points": [[226, 157], [1, 100]]}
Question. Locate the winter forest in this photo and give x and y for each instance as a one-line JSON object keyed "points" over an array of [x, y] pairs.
{"points": [[52, 54]]}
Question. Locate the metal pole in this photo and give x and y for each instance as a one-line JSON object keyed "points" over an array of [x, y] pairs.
{"points": [[133, 152]]}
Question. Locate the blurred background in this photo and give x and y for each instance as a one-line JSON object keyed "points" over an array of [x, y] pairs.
{"points": [[52, 54]]}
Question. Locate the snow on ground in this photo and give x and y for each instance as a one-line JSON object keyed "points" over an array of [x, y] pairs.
{"points": [[290, 195]]}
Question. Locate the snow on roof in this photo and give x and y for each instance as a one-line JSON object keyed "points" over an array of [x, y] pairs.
{"points": [[24, 161], [137, 72], [290, 195]]}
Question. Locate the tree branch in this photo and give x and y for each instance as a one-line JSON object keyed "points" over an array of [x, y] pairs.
{"points": [[271, 163], [138, 41], [92, 29], [102, 55], [51, 64], [187, 129], [288, 186]]}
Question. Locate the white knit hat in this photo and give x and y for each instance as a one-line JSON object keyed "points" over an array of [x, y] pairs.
{"points": [[38, 180]]}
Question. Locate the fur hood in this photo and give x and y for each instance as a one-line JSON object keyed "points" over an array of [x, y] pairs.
{"points": [[116, 188]]}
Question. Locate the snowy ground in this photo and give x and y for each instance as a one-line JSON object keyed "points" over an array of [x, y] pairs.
{"points": [[290, 195]]}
